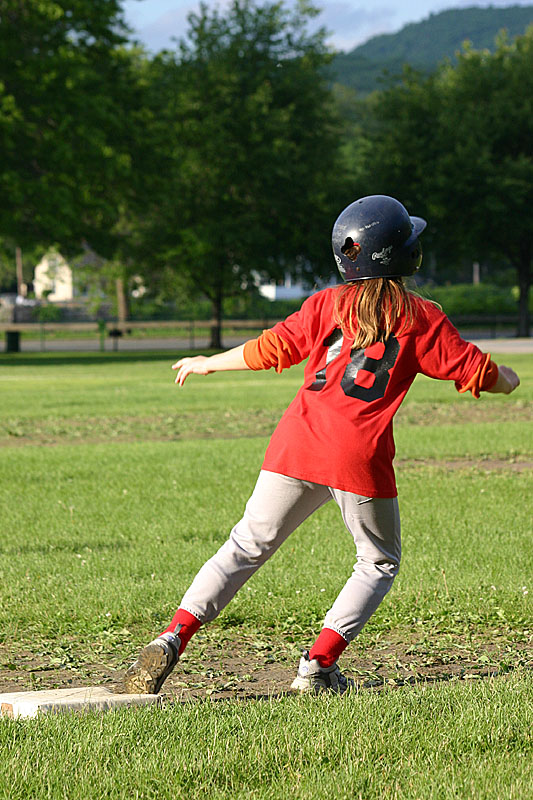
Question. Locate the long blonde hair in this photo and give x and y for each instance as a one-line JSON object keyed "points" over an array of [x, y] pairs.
{"points": [[368, 311]]}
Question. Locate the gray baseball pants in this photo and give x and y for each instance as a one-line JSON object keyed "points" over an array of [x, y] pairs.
{"points": [[278, 505]]}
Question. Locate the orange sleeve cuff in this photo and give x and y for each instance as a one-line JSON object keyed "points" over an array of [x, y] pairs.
{"points": [[483, 378], [268, 350]]}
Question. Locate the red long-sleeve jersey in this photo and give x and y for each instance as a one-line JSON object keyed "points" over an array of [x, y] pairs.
{"points": [[338, 430]]}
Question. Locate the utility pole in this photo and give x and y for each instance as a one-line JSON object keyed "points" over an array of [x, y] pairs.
{"points": [[13, 337], [122, 303], [22, 288]]}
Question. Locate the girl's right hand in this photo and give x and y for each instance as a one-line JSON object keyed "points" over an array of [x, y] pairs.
{"points": [[197, 365], [507, 381]]}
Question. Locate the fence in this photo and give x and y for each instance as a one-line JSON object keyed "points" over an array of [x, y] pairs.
{"points": [[192, 328], [115, 330]]}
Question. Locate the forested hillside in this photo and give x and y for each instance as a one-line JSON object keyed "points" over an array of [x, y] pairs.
{"points": [[425, 44]]}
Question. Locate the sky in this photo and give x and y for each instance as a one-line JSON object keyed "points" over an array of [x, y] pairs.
{"points": [[155, 22]]}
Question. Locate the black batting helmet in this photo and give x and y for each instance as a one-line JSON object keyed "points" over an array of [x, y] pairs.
{"points": [[375, 237]]}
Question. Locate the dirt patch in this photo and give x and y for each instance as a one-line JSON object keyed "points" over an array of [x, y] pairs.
{"points": [[461, 413], [224, 667], [484, 466], [160, 427], [227, 424]]}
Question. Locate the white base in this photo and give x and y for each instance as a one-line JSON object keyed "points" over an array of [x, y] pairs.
{"points": [[55, 701]]}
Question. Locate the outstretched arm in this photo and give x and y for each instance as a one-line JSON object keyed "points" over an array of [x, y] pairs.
{"points": [[268, 350], [203, 365]]}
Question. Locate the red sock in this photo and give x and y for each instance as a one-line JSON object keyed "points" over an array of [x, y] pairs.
{"points": [[190, 625], [328, 647]]}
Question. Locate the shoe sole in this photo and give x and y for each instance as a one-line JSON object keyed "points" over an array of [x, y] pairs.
{"points": [[303, 685], [149, 672]]}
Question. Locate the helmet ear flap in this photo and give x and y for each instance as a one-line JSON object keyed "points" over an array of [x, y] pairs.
{"points": [[418, 255]]}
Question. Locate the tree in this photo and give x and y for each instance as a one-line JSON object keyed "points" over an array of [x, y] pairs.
{"points": [[457, 147], [64, 90], [246, 134], [490, 112]]}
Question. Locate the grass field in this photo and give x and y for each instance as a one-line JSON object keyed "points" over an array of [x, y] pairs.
{"points": [[116, 486]]}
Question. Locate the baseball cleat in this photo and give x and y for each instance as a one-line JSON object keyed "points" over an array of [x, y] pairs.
{"points": [[154, 664], [313, 678]]}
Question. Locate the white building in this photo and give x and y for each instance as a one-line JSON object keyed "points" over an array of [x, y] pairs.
{"points": [[289, 288], [53, 278]]}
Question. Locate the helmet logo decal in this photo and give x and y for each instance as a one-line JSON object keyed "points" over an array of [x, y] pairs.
{"points": [[351, 249], [339, 263], [383, 255]]}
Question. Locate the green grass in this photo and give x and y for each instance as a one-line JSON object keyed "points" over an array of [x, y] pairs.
{"points": [[116, 486], [101, 536], [438, 743]]}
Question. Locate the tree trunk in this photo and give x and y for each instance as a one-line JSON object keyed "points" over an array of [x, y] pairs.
{"points": [[122, 301], [216, 328], [524, 283], [21, 286]]}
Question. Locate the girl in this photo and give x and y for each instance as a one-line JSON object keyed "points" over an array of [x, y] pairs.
{"points": [[365, 342]]}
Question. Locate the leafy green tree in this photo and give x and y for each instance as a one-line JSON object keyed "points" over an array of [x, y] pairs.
{"points": [[489, 121], [457, 147], [64, 93], [244, 141]]}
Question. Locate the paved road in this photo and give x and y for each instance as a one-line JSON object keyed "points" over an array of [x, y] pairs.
{"points": [[504, 345], [178, 345]]}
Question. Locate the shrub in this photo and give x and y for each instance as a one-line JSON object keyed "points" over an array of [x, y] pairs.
{"points": [[475, 299], [47, 313]]}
